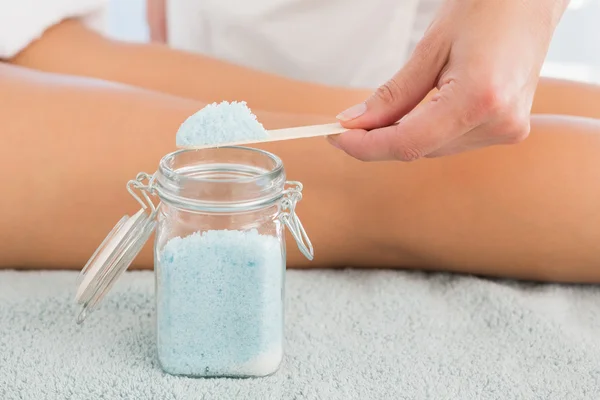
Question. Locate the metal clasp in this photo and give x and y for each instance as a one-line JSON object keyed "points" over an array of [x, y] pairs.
{"points": [[292, 196], [144, 184]]}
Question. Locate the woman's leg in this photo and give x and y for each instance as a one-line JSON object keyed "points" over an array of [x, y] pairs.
{"points": [[68, 147], [70, 48], [556, 96], [525, 211]]}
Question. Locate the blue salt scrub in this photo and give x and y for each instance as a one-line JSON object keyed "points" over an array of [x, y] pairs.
{"points": [[220, 306], [221, 123]]}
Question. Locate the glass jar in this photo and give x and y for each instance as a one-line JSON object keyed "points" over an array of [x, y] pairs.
{"points": [[219, 259]]}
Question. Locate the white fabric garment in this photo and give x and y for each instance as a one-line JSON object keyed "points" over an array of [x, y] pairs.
{"points": [[355, 43], [23, 21], [426, 11], [352, 43]]}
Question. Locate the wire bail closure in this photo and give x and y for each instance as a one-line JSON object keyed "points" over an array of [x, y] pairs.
{"points": [[118, 250], [292, 196], [144, 184], [145, 189]]}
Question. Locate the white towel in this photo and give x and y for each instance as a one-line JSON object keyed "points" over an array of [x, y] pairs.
{"points": [[23, 21], [350, 335]]}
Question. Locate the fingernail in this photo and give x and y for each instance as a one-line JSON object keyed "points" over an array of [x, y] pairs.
{"points": [[353, 112]]}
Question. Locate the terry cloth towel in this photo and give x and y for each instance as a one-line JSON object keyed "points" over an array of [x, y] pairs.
{"points": [[350, 335]]}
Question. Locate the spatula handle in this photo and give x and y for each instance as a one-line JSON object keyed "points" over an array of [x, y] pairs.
{"points": [[307, 131]]}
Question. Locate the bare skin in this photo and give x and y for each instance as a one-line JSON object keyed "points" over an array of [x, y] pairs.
{"points": [[484, 57], [72, 49], [525, 211]]}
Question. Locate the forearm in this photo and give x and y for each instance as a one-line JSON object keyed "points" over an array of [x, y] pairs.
{"points": [[70, 48]]}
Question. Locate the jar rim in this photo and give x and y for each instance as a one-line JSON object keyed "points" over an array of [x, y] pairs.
{"points": [[170, 173], [225, 179]]}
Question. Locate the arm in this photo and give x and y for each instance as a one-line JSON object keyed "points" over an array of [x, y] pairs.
{"points": [[70, 48]]}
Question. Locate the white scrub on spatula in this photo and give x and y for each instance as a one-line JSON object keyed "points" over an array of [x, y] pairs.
{"points": [[220, 123], [233, 124]]}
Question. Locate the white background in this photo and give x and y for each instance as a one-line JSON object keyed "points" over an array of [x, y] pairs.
{"points": [[574, 52]]}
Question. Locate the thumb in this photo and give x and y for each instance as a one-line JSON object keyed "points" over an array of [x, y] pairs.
{"points": [[398, 96]]}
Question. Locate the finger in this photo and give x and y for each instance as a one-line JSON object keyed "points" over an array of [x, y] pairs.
{"points": [[404, 91], [447, 116]]}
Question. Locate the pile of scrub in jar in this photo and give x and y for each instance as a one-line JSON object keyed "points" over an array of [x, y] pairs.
{"points": [[220, 123], [220, 306]]}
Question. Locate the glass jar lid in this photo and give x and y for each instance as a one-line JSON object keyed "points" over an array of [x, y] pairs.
{"points": [[116, 252]]}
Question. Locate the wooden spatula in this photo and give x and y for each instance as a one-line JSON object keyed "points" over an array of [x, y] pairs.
{"points": [[275, 135]]}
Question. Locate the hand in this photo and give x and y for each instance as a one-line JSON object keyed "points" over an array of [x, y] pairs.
{"points": [[156, 18], [484, 57]]}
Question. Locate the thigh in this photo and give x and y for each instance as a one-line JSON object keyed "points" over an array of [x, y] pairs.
{"points": [[556, 96], [522, 211]]}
